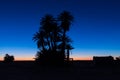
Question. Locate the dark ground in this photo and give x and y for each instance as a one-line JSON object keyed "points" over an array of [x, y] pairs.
{"points": [[81, 70]]}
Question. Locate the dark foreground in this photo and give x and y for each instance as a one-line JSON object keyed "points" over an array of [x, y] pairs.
{"points": [[84, 70]]}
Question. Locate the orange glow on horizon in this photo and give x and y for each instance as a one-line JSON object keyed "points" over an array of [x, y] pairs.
{"points": [[21, 58], [82, 58], [75, 58], [32, 58]]}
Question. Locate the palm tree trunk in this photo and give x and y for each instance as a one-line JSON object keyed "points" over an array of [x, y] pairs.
{"points": [[68, 54], [43, 47], [63, 45], [51, 42], [48, 43], [54, 41]]}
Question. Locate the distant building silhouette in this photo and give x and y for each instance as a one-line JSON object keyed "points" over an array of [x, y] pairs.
{"points": [[103, 60], [118, 58]]}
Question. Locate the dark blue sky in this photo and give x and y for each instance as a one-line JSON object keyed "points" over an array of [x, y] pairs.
{"points": [[95, 30]]}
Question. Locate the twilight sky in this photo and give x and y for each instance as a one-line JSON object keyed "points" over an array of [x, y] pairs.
{"points": [[95, 30]]}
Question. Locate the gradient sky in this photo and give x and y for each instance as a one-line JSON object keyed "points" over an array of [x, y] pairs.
{"points": [[95, 30]]}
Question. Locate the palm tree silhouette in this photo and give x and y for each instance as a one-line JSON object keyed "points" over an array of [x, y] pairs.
{"points": [[66, 19], [39, 38], [68, 47]]}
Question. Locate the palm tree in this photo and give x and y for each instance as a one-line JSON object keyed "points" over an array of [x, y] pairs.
{"points": [[66, 19], [49, 25], [39, 38], [46, 25], [44, 37], [68, 47]]}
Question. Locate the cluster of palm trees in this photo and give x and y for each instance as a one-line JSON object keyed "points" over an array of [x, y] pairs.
{"points": [[52, 40]]}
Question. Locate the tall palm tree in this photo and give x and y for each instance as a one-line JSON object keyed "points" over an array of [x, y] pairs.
{"points": [[49, 24], [46, 24], [66, 19]]}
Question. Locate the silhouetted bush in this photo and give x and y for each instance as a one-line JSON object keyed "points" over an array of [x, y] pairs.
{"points": [[49, 58], [8, 58]]}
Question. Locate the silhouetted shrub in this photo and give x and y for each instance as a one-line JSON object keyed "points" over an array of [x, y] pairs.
{"points": [[8, 58], [49, 58]]}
